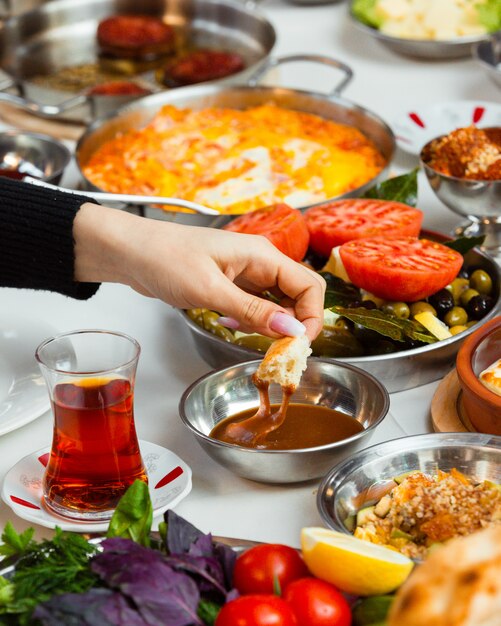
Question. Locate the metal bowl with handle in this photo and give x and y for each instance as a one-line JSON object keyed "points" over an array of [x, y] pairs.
{"points": [[62, 33], [330, 106]]}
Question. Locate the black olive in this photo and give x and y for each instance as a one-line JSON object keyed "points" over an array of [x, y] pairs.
{"points": [[479, 306], [362, 304], [365, 335], [442, 302], [464, 272]]}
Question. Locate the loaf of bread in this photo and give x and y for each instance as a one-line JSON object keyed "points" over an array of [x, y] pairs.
{"points": [[285, 361], [458, 585]]}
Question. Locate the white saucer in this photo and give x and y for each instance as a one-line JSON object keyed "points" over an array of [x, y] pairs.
{"points": [[416, 127], [23, 394], [169, 480]]}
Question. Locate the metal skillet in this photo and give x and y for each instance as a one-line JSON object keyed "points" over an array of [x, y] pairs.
{"points": [[62, 33], [330, 106]]}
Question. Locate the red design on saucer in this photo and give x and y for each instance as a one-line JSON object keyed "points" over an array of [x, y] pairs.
{"points": [[478, 114], [25, 503], [417, 120], [168, 478], [44, 459]]}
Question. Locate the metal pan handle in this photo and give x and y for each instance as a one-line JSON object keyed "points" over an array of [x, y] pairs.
{"points": [[44, 110], [313, 58]]}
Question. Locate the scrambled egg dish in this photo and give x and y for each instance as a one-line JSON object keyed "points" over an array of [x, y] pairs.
{"points": [[236, 161]]}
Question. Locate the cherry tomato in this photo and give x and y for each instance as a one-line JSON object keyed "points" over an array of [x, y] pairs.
{"points": [[333, 223], [317, 603], [202, 65], [404, 269], [257, 568], [284, 226], [256, 610]]}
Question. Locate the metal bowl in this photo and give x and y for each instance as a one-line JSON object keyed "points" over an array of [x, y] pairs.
{"points": [[364, 477], [33, 154], [397, 371], [469, 198], [422, 48], [230, 390], [488, 54]]}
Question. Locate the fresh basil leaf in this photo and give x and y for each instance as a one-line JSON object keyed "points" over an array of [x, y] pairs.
{"points": [[489, 14], [402, 188], [365, 11], [133, 516], [464, 244], [386, 324], [14, 543], [372, 611], [339, 292]]}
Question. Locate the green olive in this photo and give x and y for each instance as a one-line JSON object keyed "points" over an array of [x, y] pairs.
{"points": [[481, 281], [335, 342], [398, 309], [457, 287], [457, 316], [421, 307], [467, 295], [471, 323], [455, 330], [254, 342]]}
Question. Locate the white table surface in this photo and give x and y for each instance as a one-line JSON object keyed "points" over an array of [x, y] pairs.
{"points": [[221, 502]]}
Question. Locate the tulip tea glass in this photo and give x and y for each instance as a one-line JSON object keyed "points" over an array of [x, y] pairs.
{"points": [[95, 455]]}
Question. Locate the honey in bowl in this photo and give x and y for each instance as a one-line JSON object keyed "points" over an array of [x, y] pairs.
{"points": [[305, 426]]}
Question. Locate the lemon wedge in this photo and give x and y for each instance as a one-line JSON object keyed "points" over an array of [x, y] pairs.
{"points": [[353, 565]]}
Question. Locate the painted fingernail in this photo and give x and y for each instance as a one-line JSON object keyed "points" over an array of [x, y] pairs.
{"points": [[287, 325], [228, 322]]}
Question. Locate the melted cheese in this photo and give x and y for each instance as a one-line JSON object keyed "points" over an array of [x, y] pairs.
{"points": [[237, 160], [491, 377]]}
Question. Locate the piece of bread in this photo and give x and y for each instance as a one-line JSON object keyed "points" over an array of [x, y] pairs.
{"points": [[458, 585], [285, 361]]}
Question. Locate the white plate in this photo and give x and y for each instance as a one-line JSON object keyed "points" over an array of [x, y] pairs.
{"points": [[417, 126], [23, 394], [169, 480]]}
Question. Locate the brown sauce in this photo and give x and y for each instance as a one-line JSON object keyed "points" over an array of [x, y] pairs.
{"points": [[305, 426]]}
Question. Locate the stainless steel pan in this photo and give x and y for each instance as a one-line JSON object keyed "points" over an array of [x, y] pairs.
{"points": [[330, 106], [62, 33]]}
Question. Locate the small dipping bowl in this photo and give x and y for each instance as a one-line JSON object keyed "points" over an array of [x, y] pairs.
{"points": [[488, 54], [230, 390], [363, 478], [481, 405], [32, 154]]}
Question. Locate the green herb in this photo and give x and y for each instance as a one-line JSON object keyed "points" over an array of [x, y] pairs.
{"points": [[366, 12], [386, 324], [402, 188], [339, 292], [372, 611], [207, 612], [464, 244], [60, 565], [15, 544], [133, 516], [489, 15]]}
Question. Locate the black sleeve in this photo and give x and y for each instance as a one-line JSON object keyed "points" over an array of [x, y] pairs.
{"points": [[36, 239]]}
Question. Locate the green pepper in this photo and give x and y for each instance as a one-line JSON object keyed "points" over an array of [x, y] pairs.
{"points": [[254, 342], [208, 320], [336, 342]]}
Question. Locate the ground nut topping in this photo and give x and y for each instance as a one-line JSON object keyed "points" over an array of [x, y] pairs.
{"points": [[424, 510]]}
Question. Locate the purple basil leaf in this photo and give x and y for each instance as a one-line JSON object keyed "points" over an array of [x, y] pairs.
{"points": [[207, 571], [227, 557], [180, 533], [161, 595], [202, 546], [96, 607]]}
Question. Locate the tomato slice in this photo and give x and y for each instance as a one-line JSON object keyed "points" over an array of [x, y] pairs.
{"points": [[284, 226], [334, 223], [403, 269]]}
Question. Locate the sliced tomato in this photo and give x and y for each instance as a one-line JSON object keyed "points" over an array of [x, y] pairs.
{"points": [[334, 223], [284, 226], [400, 269]]}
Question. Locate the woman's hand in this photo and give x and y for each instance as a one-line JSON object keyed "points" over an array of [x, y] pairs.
{"points": [[191, 267]]}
